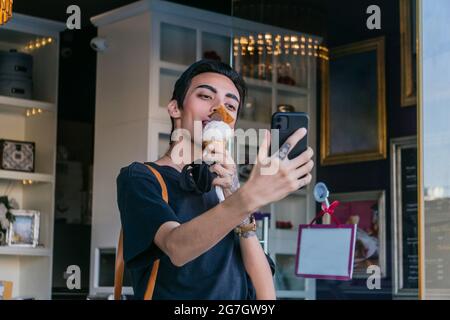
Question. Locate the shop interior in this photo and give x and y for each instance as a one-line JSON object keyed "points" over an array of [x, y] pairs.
{"points": [[93, 112]]}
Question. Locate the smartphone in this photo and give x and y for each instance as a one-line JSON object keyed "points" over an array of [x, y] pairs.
{"points": [[287, 123]]}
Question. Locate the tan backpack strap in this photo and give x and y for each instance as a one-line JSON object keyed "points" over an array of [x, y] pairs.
{"points": [[118, 275], [152, 281], [160, 179]]}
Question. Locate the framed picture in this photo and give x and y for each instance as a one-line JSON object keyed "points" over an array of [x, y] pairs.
{"points": [[367, 210], [24, 231], [353, 115], [408, 52], [405, 243]]}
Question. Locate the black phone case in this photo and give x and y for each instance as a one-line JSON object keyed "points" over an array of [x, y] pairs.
{"points": [[296, 120]]}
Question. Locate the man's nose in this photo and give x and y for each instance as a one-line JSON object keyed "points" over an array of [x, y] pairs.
{"points": [[215, 107]]}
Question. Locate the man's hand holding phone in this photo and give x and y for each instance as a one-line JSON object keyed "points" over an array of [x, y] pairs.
{"points": [[266, 186]]}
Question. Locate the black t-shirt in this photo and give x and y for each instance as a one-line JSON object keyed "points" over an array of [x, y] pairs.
{"points": [[218, 273]]}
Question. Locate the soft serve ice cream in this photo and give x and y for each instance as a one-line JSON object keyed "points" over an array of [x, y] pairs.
{"points": [[218, 132]]}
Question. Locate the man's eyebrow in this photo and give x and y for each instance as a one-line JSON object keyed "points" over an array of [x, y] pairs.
{"points": [[228, 95], [232, 96]]}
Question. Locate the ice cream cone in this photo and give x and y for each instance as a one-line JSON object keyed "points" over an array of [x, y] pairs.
{"points": [[218, 133]]}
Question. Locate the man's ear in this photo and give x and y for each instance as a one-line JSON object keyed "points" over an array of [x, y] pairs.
{"points": [[173, 110]]}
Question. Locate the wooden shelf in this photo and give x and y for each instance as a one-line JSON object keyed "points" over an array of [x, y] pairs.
{"points": [[17, 175], [291, 294], [25, 251], [292, 89], [258, 83], [300, 193], [279, 86], [246, 124], [18, 105], [284, 233], [172, 66]]}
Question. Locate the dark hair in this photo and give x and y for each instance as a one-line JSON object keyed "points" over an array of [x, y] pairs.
{"points": [[202, 66]]}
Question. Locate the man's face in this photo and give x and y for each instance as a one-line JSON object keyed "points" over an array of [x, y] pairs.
{"points": [[207, 92]]}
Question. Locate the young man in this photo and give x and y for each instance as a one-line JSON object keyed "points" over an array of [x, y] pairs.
{"points": [[201, 255]]}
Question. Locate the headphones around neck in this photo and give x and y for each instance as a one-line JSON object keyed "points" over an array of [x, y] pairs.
{"points": [[197, 178]]}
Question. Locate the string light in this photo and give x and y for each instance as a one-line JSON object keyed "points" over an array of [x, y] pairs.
{"points": [[33, 112], [277, 45], [38, 43]]}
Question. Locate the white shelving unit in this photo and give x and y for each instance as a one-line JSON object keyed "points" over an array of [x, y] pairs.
{"points": [[30, 269], [18, 251], [299, 207], [19, 176], [132, 123], [18, 105]]}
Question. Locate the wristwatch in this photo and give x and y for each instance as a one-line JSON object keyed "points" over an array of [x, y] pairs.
{"points": [[246, 228]]}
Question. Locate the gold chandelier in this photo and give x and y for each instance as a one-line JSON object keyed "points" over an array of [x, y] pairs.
{"points": [[5, 10]]}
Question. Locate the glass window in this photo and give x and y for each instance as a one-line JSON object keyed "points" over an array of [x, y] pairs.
{"points": [[436, 148]]}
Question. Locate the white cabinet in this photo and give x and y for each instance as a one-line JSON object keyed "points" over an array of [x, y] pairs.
{"points": [[30, 269], [150, 44]]}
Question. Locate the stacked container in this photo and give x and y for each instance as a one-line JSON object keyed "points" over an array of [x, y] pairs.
{"points": [[16, 72]]}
